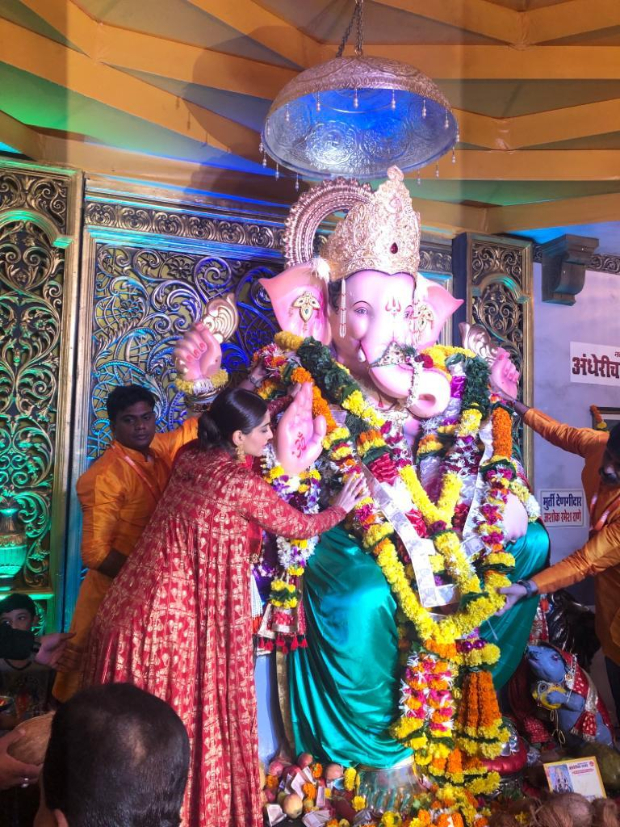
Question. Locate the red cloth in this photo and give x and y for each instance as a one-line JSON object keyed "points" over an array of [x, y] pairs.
{"points": [[177, 622]]}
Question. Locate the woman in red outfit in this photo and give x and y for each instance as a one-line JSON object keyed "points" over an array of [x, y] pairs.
{"points": [[177, 619]]}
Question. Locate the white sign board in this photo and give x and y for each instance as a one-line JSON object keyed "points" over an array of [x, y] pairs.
{"points": [[562, 507], [595, 364]]}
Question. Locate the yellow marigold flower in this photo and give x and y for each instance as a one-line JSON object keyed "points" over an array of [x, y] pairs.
{"points": [[358, 802], [288, 341], [350, 777], [391, 819]]}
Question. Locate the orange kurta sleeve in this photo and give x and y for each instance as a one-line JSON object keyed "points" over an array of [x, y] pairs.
{"points": [[171, 441], [101, 499], [600, 552], [576, 440], [260, 503]]}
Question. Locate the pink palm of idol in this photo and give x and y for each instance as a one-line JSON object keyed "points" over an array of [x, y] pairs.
{"points": [[299, 434]]}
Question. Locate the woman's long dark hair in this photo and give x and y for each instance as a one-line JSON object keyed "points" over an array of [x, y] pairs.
{"points": [[232, 410]]}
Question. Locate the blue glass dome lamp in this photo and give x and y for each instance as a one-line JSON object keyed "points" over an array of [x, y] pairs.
{"points": [[357, 116]]}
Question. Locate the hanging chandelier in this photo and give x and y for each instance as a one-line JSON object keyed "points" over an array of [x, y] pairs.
{"points": [[356, 116]]}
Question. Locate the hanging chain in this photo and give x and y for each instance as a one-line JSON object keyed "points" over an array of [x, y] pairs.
{"points": [[359, 49], [357, 18]]}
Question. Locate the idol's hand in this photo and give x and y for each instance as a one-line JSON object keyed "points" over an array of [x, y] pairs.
{"points": [[299, 434], [504, 376], [198, 354]]}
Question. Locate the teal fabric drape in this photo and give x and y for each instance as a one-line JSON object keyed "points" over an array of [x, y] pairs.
{"points": [[511, 631], [344, 686]]}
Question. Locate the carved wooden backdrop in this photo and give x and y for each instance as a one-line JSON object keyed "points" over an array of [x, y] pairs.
{"points": [[148, 267], [39, 212], [494, 276]]}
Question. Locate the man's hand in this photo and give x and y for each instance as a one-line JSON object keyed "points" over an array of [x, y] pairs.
{"points": [[53, 648], [12, 772], [513, 594]]}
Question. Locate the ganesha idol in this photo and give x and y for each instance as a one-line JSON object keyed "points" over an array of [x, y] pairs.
{"points": [[387, 620]]}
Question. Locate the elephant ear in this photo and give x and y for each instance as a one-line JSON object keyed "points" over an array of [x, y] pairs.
{"points": [[442, 304], [299, 299]]}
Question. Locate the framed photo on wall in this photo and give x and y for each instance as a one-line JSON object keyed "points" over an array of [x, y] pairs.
{"points": [[610, 416]]}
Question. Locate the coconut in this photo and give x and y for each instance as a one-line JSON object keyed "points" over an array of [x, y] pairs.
{"points": [[32, 746], [605, 813], [565, 810]]}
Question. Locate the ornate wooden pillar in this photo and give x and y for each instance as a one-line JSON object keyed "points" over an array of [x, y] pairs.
{"points": [[39, 229], [494, 277]]}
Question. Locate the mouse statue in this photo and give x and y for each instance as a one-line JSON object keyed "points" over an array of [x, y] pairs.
{"points": [[566, 690]]}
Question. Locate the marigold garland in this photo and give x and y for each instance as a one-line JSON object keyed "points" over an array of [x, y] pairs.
{"points": [[428, 722]]}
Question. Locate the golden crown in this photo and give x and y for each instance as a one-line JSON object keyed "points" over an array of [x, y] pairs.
{"points": [[381, 234]]}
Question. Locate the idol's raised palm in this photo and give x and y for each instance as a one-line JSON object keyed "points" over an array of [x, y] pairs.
{"points": [[298, 441], [198, 354]]}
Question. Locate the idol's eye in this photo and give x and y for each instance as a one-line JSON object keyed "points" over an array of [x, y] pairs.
{"points": [[361, 311]]}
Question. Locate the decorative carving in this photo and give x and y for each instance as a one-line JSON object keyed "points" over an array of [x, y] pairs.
{"points": [[31, 306], [495, 278], [604, 264], [183, 225], [564, 264], [600, 262], [312, 208], [435, 259], [145, 298], [42, 194]]}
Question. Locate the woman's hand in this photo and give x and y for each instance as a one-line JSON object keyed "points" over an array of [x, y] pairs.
{"points": [[198, 355], [298, 441], [352, 492], [513, 594], [255, 378]]}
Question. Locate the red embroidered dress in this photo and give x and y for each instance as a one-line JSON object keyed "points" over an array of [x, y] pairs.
{"points": [[177, 622]]}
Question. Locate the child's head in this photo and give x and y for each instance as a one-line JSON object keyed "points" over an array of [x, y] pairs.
{"points": [[18, 611]]}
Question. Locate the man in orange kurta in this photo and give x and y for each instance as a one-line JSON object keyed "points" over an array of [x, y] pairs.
{"points": [[600, 555], [118, 494]]}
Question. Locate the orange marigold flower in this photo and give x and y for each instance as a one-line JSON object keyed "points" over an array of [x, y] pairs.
{"points": [[309, 790], [424, 817], [317, 770], [271, 782]]}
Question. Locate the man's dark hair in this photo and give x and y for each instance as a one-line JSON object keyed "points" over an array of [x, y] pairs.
{"points": [[18, 601], [613, 443], [117, 757], [124, 396]]}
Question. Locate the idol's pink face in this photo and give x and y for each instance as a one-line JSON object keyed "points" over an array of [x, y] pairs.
{"points": [[380, 315]]}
